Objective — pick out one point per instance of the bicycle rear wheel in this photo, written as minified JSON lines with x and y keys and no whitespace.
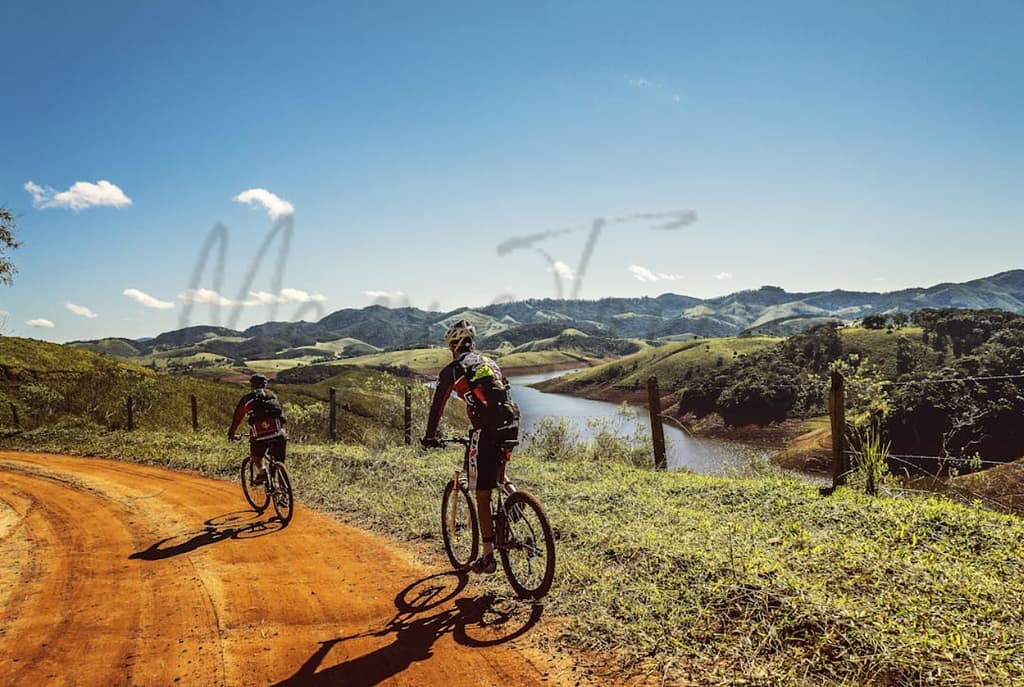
{"x":255,"y":494}
{"x":459,"y":526}
{"x":284,"y":503}
{"x":528,"y":550}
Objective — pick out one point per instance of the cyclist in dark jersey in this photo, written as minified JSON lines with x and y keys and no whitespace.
{"x":266,"y":424}
{"x":478,"y":381}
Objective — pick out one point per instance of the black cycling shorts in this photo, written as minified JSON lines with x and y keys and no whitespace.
{"x":483,"y":458}
{"x":275,"y":446}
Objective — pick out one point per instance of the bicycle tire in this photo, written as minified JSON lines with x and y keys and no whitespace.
{"x":282,"y":497}
{"x":461,"y":542}
{"x":255,"y":494}
{"x":528,"y":550}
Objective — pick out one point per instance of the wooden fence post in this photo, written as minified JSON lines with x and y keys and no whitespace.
{"x":837,"y":413}
{"x":657,"y":430}
{"x":195,"y":413}
{"x":131,"y":415}
{"x":408,"y":415}
{"x":14,"y":417}
{"x":332,"y":415}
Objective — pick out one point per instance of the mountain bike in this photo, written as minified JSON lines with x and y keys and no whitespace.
{"x":522,"y":534}
{"x":277,"y":488}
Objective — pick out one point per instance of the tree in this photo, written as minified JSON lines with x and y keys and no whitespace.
{"x":876,"y":321}
{"x":7,"y":226}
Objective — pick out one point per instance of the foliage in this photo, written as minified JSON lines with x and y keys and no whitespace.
{"x":8,"y":225}
{"x":552,"y":439}
{"x":872,"y":454}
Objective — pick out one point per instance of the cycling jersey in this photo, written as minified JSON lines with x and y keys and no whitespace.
{"x":478,"y":381}
{"x":261,"y":426}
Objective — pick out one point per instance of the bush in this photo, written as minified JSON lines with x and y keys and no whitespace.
{"x":552,"y":439}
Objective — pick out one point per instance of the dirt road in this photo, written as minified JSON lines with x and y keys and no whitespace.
{"x":113,"y":573}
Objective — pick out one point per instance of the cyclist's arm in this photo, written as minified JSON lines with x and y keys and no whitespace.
{"x":241,"y":410}
{"x":445,"y":384}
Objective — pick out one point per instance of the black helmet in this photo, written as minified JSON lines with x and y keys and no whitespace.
{"x":257,"y":381}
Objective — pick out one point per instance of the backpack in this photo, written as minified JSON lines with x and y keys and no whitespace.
{"x":266,"y":406}
{"x":486,"y":382}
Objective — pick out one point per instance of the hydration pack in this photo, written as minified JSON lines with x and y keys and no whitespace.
{"x":488,"y":396}
{"x":265,"y":406}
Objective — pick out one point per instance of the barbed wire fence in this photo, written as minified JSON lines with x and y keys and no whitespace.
{"x":914,"y":472}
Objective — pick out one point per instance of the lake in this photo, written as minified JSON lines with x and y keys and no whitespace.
{"x":708,"y":456}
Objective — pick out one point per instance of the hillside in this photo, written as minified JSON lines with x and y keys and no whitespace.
{"x":66,"y":385}
{"x":769,"y":310}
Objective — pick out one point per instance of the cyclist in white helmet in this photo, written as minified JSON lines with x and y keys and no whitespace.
{"x":478,"y":381}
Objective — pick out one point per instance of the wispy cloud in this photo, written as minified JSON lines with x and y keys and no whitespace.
{"x":397,"y":299}
{"x":644,"y":274}
{"x":146,"y":300}
{"x":286,"y":296}
{"x":80,"y":310}
{"x":275,"y":206}
{"x":657,"y":88}
{"x":723,"y":276}
{"x":81,"y":195}
{"x":40,"y":324}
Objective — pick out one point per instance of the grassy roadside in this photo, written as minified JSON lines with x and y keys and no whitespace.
{"x":713,"y":580}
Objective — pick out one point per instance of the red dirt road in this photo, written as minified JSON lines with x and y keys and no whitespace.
{"x":113,"y":573}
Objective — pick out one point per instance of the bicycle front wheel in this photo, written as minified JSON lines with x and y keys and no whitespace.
{"x":528,"y":550}
{"x":255,"y":494}
{"x":284,"y":503}
{"x":459,"y":526}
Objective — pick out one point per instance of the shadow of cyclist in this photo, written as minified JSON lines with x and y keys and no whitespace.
{"x":414,"y":634}
{"x":237,"y":525}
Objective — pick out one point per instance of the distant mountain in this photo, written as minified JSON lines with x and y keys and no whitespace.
{"x":769,"y":309}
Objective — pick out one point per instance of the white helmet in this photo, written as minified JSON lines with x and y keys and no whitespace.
{"x":459,"y":334}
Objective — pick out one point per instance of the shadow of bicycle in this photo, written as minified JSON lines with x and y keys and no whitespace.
{"x":236,"y":525}
{"x":480,"y":621}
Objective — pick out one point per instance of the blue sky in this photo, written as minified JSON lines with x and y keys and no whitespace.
{"x":870,"y":146}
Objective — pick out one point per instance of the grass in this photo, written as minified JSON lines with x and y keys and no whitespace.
{"x":707,"y":580}
{"x":670,"y":363}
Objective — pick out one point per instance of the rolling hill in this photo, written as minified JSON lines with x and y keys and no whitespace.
{"x":613,"y":322}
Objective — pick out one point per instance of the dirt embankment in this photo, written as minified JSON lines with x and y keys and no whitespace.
{"x":113,"y":573}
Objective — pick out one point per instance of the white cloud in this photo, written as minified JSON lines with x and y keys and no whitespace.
{"x":80,"y":310}
{"x":275,"y":207}
{"x":40,"y":323}
{"x":286,"y":296}
{"x":722,"y":276}
{"x":390,"y":299}
{"x":644,"y":274}
{"x":81,"y":195}
{"x":147,"y":300}
{"x":206,"y":296}
{"x":384,"y":294}
{"x":562,"y":270}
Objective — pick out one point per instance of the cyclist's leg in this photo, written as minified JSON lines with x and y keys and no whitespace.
{"x":277,"y":448}
{"x":257,"y":449}
{"x":485,"y":449}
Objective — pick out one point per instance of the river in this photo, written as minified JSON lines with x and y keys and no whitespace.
{"x":707,"y":456}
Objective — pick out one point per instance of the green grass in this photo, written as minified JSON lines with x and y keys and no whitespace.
{"x":670,"y":363}
{"x":51,"y":384}
{"x":708,"y":580}
{"x":878,"y":345}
